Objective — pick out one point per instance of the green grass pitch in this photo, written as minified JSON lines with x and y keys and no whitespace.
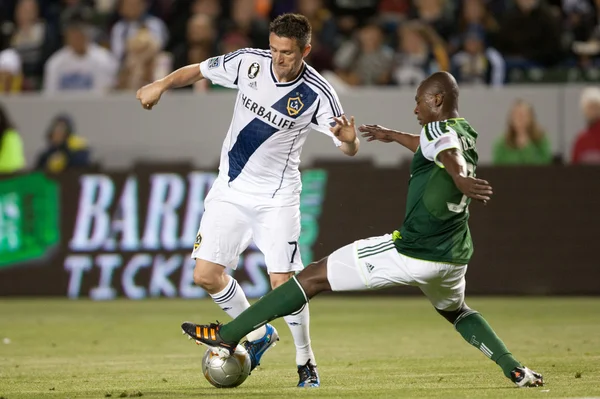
{"x":365,"y":348}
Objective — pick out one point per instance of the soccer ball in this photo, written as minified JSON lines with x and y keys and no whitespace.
{"x":226,"y":372}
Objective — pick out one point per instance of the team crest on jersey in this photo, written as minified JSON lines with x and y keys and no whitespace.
{"x":294,"y":105}
{"x":253,"y":70}
{"x":213,"y":63}
{"x":197,"y":242}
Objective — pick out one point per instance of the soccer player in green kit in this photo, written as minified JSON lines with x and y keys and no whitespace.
{"x":431,"y":250}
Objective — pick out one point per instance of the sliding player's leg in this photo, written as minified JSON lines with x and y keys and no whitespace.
{"x":448,"y":297}
{"x":285,"y":299}
{"x":364,"y":264}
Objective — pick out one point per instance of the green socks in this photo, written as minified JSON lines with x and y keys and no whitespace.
{"x":285,"y":299}
{"x":290,"y":297}
{"x":476,"y":331}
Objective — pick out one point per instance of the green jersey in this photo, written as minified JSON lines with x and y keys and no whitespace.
{"x":435,"y":225}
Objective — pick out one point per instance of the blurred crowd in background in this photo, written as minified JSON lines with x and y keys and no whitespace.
{"x":97,"y":46}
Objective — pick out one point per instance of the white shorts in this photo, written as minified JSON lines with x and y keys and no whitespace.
{"x":232,"y":219}
{"x":374,"y":263}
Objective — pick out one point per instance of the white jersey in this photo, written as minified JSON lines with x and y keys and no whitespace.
{"x":93,"y":72}
{"x":271,"y":120}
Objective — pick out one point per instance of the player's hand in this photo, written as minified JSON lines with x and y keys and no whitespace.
{"x":150,"y":94}
{"x":376,"y":132}
{"x":344,"y":130}
{"x":476,"y":189}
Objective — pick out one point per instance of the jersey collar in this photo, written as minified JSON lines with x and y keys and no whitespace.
{"x":284,"y":84}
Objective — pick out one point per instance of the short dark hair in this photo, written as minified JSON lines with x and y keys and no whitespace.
{"x":75,"y":21}
{"x":292,"y":26}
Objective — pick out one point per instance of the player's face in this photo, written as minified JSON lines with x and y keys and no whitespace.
{"x":426,"y":109}
{"x":287,"y":56}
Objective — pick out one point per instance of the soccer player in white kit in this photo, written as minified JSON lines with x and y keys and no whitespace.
{"x":257,"y":193}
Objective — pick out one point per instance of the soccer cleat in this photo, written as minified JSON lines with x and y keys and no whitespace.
{"x":309,"y":377}
{"x":256,"y":349}
{"x":524,"y":377}
{"x":209,"y":336}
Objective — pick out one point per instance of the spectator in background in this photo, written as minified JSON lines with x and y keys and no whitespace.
{"x":579,"y":18}
{"x":529,"y":35}
{"x":200,"y":45}
{"x":231,"y":42}
{"x":245,"y":21}
{"x":394,"y":10}
{"x":134,"y":16}
{"x":201,"y":33}
{"x":587,"y":145}
{"x":62,"y":11}
{"x":583,"y":20}
{"x":144,"y":61}
{"x":421,"y":52}
{"x":182,"y":11}
{"x":34,"y":40}
{"x":11,"y":72}
{"x":64,"y":150}
{"x":70,"y":9}
{"x":524,"y":141}
{"x":324,"y":30}
{"x":349,"y":17}
{"x":435,"y":14}
{"x":361,"y":11}
{"x":321,"y":58}
{"x":325,"y":37}
{"x":367,"y":60}
{"x":11,"y":76}
{"x":212,"y":8}
{"x":105,"y":15}
{"x":12,"y":157}
{"x":473,"y":14}
{"x":596,"y":32}
{"x":80,"y":65}
{"x":476,"y":63}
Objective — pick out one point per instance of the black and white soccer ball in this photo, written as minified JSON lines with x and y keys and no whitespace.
{"x":226,"y":371}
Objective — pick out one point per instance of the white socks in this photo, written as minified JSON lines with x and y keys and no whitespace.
{"x":233,"y":301}
{"x":299,"y":323}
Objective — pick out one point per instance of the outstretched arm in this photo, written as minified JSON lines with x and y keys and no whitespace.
{"x":150,"y":94}
{"x":184,"y":76}
{"x":385,"y":135}
{"x":456,"y":166}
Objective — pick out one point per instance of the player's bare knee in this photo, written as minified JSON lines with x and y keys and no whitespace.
{"x":210,"y":276}
{"x":278,"y":279}
{"x":313,"y":278}
{"x":453,"y":315}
